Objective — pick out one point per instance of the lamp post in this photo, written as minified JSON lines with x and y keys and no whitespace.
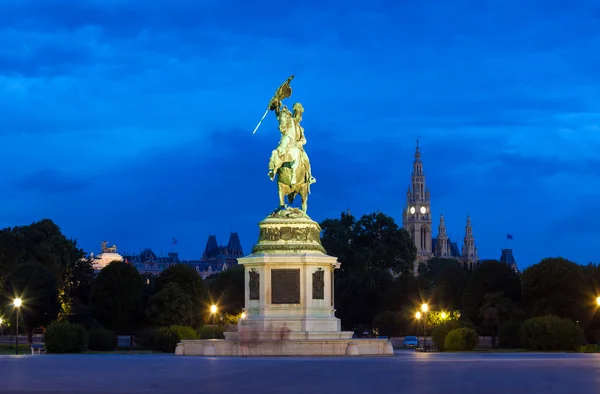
{"x":213,"y":310}
{"x":17,"y":303}
{"x":418,"y":317}
{"x":424,"y":309}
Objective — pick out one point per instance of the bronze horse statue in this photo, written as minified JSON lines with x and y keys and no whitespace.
{"x":292,"y":187}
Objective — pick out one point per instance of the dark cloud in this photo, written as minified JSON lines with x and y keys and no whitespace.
{"x":156,"y":100}
{"x":49,"y":182}
{"x":48,"y":60}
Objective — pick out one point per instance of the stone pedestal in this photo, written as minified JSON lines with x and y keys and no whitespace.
{"x":289,"y":297}
{"x":290,"y":280}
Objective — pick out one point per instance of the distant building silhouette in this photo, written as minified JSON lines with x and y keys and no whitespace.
{"x":508,"y":258}
{"x":417,"y":220}
{"x":215,"y":258}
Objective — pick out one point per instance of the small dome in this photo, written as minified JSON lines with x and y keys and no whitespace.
{"x":147,"y":255}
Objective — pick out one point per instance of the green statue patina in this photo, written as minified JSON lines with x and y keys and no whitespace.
{"x":289,"y":162}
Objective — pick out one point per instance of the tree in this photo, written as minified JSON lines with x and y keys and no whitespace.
{"x":554,"y":286}
{"x":79,"y":283}
{"x":495,"y":310}
{"x":227,"y":289}
{"x":373,"y":242}
{"x":116,"y":297}
{"x":490,"y":276}
{"x":41,"y":242}
{"x":373,"y":251}
{"x":36,"y":286}
{"x":170,"y":306}
{"x":448,"y":279}
{"x":190,"y":282}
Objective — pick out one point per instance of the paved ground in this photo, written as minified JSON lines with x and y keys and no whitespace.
{"x":407,"y":372}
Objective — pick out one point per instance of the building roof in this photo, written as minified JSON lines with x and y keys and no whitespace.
{"x":507,"y":257}
{"x":454,"y":251}
{"x":212,"y":247}
{"x":234,"y":244}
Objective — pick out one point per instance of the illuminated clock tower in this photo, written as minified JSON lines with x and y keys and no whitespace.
{"x":416,"y":217}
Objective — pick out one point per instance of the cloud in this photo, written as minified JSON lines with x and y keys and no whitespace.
{"x":139,"y":114}
{"x":49,"y":181}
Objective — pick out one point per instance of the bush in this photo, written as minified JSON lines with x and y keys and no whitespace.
{"x":438,"y":335}
{"x":589,"y":348}
{"x":145,"y":338}
{"x":164,"y":339}
{"x":65,"y":337}
{"x":461,"y":339}
{"x":101,"y":339}
{"x":206,"y":332}
{"x":388,"y":323}
{"x":508,"y":335}
{"x":550,"y":333}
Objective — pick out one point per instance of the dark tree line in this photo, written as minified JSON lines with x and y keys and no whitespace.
{"x":376,"y":283}
{"x":57,"y":283}
{"x":375,"y":287}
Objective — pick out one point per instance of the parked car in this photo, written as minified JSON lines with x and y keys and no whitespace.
{"x":410,"y":342}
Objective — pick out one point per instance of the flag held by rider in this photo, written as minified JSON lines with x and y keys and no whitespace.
{"x":284,"y":91}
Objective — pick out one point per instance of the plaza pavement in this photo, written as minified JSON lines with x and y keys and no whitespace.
{"x":407,"y":372}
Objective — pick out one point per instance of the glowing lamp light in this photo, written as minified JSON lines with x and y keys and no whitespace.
{"x":17,"y":302}
{"x":213,"y":309}
{"x":418,"y":315}
{"x":424,"y":307}
{"x":443,"y":315}
{"x":243,"y":315}
{"x":598,"y":301}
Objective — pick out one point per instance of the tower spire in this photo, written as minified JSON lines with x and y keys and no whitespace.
{"x":416,"y":218}
{"x":469,"y":251}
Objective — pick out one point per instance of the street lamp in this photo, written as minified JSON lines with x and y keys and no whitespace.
{"x":424,"y":308}
{"x":418,"y":317}
{"x":17,"y":302}
{"x":1,"y":329}
{"x":243,"y":315}
{"x":598,"y":301}
{"x":213,"y":310}
{"x":443,"y":315}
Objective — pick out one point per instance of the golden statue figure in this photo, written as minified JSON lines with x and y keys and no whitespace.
{"x":289,"y":161}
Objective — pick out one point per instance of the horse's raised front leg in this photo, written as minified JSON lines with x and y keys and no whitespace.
{"x":304,"y":197}
{"x":281,"y":195}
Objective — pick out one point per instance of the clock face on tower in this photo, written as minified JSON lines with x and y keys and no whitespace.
{"x":412,"y":210}
{"x":423,"y":210}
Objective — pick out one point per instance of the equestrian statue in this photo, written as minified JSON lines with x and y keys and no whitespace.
{"x":289,"y":162}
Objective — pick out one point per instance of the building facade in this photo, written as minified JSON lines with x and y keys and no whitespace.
{"x":215,"y":258}
{"x":417,"y":220}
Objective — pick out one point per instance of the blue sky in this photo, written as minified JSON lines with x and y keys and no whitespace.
{"x":131,"y":121}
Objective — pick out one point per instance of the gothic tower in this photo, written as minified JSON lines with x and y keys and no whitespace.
{"x":442,"y":247}
{"x":469,"y":251}
{"x":416,"y":217}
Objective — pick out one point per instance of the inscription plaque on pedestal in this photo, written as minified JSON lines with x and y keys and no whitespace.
{"x":318,"y":285}
{"x":285,"y":286}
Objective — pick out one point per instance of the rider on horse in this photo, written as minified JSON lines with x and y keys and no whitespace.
{"x":291,"y":145}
